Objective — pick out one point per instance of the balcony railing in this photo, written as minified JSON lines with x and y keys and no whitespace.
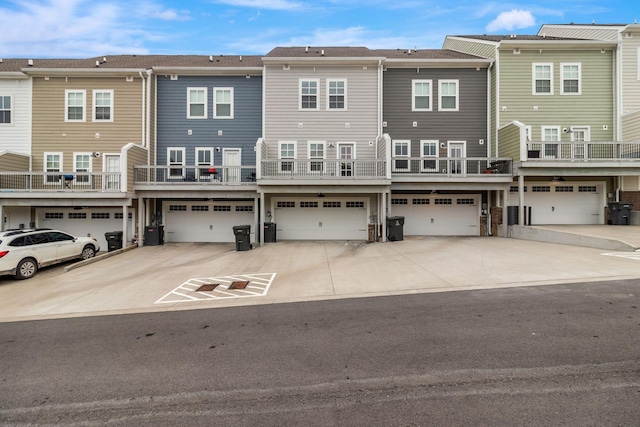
{"x":199,"y":175}
{"x":447,"y":166}
{"x":57,"y":181}
{"x":583,"y":151}
{"x":311,"y":169}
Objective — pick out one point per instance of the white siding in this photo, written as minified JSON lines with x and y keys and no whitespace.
{"x":16,"y":137}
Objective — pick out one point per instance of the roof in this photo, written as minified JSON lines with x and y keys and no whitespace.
{"x":424,"y":54}
{"x":513,"y":37}
{"x":319,"y":52}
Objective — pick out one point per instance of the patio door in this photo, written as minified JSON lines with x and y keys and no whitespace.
{"x":346,"y":153}
{"x":112,"y":168}
{"x":232,"y":162}
{"x":457,"y":152}
{"x":579,"y":135}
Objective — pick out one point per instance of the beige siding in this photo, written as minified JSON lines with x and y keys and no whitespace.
{"x":580,"y":32}
{"x":133,"y":155}
{"x":285,"y":122}
{"x":593,"y":108}
{"x":630,"y":73}
{"x":17,"y":135}
{"x":13,"y":162}
{"x":470,"y":46}
{"x":52,"y":134}
{"x":509,"y":138}
{"x":631,"y":127}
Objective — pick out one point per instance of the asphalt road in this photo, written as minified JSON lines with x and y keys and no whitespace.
{"x":551,"y":355}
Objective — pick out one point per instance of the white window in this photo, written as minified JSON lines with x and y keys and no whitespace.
{"x":223,"y":103}
{"x":336,"y":94}
{"x":571,"y":79}
{"x":287,"y":150}
{"x":448,"y":95}
{"x":5,"y":110}
{"x":543,"y":79}
{"x":316,"y":152}
{"x":421,"y":95}
{"x":204,"y":161}
{"x":175,"y":157}
{"x":309,"y":94}
{"x":82,"y":163}
{"x":103,"y":105}
{"x":429,"y":154}
{"x":74,"y":105}
{"x":550,"y":134}
{"x":197,"y":103}
{"x":401,"y":154}
{"x":52,"y":164}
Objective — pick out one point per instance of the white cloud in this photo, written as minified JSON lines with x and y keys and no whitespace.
{"x":512,"y":20}
{"x":264,"y":4}
{"x":156,"y":11}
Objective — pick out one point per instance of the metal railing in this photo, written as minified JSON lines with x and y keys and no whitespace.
{"x":56,"y":181}
{"x":583,"y":151}
{"x":205,"y":175}
{"x":310,"y":169}
{"x":462,"y":166}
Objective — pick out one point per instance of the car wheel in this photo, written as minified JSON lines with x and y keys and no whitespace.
{"x":26,"y":269}
{"x":88,"y":252}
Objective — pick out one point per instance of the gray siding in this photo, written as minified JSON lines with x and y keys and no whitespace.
{"x":468,"y":124}
{"x":240,"y":132}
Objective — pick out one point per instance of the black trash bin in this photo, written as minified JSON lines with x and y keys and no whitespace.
{"x":620,"y":213}
{"x":114,"y":240}
{"x":395,"y":230}
{"x":243,"y":237}
{"x":269,"y":232}
{"x":154,"y":235}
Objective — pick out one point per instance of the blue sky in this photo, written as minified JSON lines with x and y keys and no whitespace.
{"x":86,"y":28}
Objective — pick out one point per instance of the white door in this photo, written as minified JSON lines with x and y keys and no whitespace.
{"x":457,"y":151}
{"x":346,"y":153}
{"x":438,"y":215}
{"x":232,"y":161}
{"x":112,"y":168}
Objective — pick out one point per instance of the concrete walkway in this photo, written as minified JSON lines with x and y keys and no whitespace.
{"x":607,"y":237}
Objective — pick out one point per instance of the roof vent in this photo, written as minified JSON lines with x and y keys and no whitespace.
{"x":104,"y":59}
{"x":97,"y":63}
{"x":210,"y":58}
{"x":409,"y":52}
{"x":0,"y":60}
{"x":322,"y":52}
{"x":240,"y":57}
{"x":30,"y":62}
{"x":513,"y":36}
{"x":306,"y":49}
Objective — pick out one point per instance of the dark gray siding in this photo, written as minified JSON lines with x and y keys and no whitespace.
{"x":468,"y":124}
{"x":240,"y":132}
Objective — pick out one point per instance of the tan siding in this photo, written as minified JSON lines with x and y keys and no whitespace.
{"x":478,"y":48}
{"x":52,"y":134}
{"x":13,"y":162}
{"x":135,"y":155}
{"x":577,"y":32}
{"x":630,"y":73}
{"x":16,"y":136}
{"x":631,"y":127}
{"x":509,"y":138}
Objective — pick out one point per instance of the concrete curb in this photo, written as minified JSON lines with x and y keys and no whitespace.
{"x":98,"y":258}
{"x":564,"y":238}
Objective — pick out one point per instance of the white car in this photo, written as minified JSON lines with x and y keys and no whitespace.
{"x":23,"y":252}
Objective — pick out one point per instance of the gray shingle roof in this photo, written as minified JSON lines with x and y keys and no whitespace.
{"x":319,"y":52}
{"x":499,"y":38}
{"x":422,"y":54}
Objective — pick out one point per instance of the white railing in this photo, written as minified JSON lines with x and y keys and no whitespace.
{"x":450,"y":166}
{"x":56,"y":181}
{"x":323,"y":169}
{"x":180,"y":175}
{"x":583,"y":151}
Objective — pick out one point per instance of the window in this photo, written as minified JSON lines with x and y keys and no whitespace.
{"x":550,"y":134}
{"x":52,"y":164}
{"x":398,"y":201}
{"x":74,"y":105}
{"x":287,"y":150}
{"x":175,"y":157}
{"x":336,"y":94}
{"x":401,"y":149}
{"x":429,"y":153}
{"x":102,"y":105}
{"x":5,"y":110}
{"x":309,"y":94}
{"x":280,"y":204}
{"x":421,"y":94}
{"x":308,"y":204}
{"x":316,"y":151}
{"x":448,"y":95}
{"x":82,"y":163}
{"x":204,"y":156}
{"x":197,"y":103}
{"x":100,"y":215}
{"x":571,"y":74}
{"x":223,"y":103}
{"x":199,"y":208}
{"x":542,"y":79}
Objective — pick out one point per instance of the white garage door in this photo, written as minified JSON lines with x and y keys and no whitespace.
{"x":205,"y":221}
{"x":438,"y":215}
{"x":321,"y":219}
{"x":90,"y":222}
{"x":563,"y":203}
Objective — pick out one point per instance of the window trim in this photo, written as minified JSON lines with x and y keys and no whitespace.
{"x":67,"y":92}
{"x":215,"y":103}
{"x":562,"y":78}
{"x":111,"y":105}
{"x":534,"y":79}
{"x":413,"y":94}
{"x":396,"y":157}
{"x":176,"y":166}
{"x":424,"y":157}
{"x":547,"y":152}
{"x":10,"y":110}
{"x":48,"y":179}
{"x":344,"y":94}
{"x":457,"y":95}
{"x":300,"y":94}
{"x":205,"y":114}
{"x":311,"y":162}
{"x":84,"y":179}
{"x":295,"y":156}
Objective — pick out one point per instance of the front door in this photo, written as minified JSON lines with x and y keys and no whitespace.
{"x":346,"y":155}
{"x":456,"y":156}
{"x":112,"y":169}
{"x":232,"y":162}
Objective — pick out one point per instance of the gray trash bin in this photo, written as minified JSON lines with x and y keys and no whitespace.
{"x":269,"y":232}
{"x":620,"y":213}
{"x":395,"y":228}
{"x":243,"y":237}
{"x":114,"y":240}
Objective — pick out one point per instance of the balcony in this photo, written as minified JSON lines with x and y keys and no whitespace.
{"x":194,"y":175}
{"x":323,"y":170}
{"x":451,"y":167}
{"x":60,"y":181}
{"x":583,"y":151}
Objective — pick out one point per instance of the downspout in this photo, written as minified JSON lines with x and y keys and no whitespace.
{"x":489,"y":139}
{"x":618,"y":118}
{"x":148,"y":138}
{"x":142,"y":137}
{"x":497,"y":99}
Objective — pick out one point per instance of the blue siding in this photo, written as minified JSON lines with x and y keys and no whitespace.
{"x":240,"y":132}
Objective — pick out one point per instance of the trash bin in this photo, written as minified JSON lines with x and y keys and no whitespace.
{"x":154,"y":235}
{"x":395,"y":226}
{"x":620,"y":213}
{"x":114,"y":240}
{"x":243,"y":237}
{"x":269,"y":232}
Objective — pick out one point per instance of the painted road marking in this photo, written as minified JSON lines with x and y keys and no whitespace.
{"x":258,"y":286}
{"x":628,"y":255}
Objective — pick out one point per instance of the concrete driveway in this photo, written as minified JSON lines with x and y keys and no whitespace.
{"x":160,"y":278}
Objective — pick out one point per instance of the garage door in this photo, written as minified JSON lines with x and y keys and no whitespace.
{"x":90,"y":222}
{"x":321,"y":219}
{"x":205,"y":221}
{"x":564,"y":203}
{"x":438,"y":215}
